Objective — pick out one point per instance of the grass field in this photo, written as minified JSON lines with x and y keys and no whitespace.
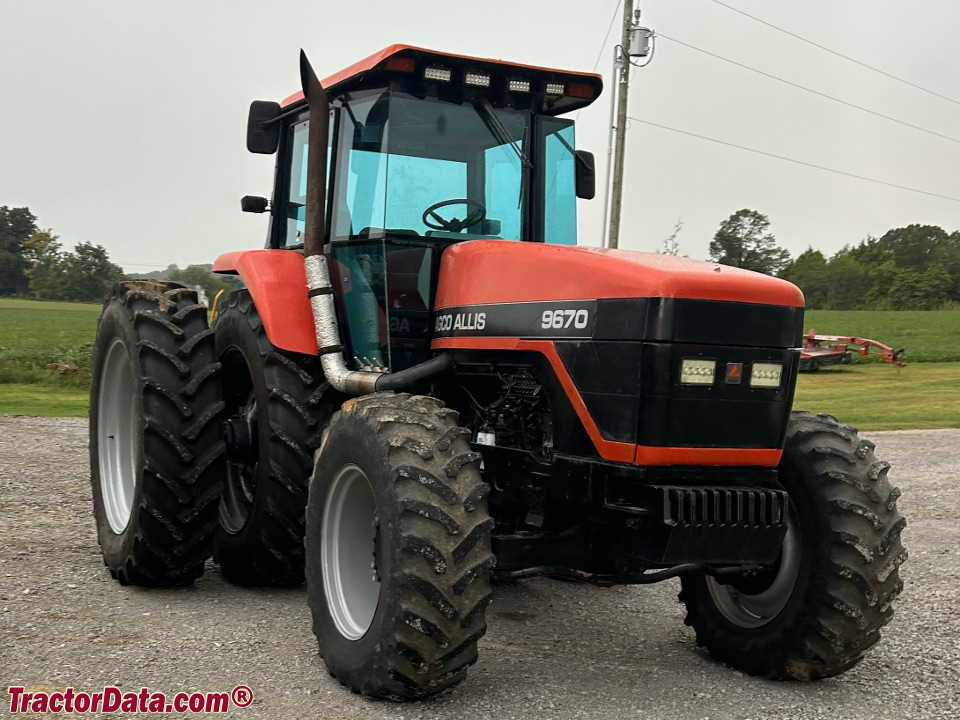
{"x":33,"y":334}
{"x":927,"y":336}
{"x":883,"y":397}
{"x":925,"y":394}
{"x":43,"y":400}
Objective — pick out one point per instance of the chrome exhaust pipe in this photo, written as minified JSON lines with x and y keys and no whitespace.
{"x":319,"y":288}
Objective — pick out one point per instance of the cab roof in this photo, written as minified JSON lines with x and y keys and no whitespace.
{"x":579,"y":89}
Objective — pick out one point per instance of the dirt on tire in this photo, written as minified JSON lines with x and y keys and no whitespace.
{"x":850,"y":553}
{"x":293,"y":404}
{"x":432,"y":547}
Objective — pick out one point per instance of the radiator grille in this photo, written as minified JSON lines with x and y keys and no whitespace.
{"x":719,"y":507}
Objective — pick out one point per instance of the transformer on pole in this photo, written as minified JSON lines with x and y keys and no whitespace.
{"x":636,"y":42}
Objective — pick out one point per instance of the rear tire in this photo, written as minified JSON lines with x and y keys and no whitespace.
{"x":817,"y":613}
{"x":156,"y":443}
{"x":398,"y":608}
{"x":282,"y":402}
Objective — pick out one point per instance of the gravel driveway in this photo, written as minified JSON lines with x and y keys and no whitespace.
{"x":554,"y":650}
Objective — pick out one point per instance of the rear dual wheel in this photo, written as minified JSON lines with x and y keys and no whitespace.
{"x":156,"y":443}
{"x":398,"y":548}
{"x":277,"y":405}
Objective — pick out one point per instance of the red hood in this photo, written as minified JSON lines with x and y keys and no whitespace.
{"x":495,"y":271}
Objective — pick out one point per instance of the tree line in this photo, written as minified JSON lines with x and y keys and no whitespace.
{"x":909,"y":268}
{"x":34,"y":263}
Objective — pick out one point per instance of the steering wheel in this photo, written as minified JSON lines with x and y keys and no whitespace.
{"x":455,"y":225}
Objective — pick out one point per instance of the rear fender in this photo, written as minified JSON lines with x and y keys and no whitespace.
{"x":277,"y":283}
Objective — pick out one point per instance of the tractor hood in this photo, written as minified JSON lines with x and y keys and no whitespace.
{"x":501,"y":271}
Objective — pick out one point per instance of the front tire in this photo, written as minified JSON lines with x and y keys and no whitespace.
{"x":821,"y":608}
{"x":156,"y":444}
{"x":398,"y":548}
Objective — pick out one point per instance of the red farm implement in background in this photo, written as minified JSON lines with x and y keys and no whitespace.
{"x":823,"y":350}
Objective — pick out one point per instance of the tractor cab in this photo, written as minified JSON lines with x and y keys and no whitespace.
{"x":425,"y":150}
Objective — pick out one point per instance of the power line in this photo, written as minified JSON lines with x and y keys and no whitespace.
{"x":811,"y":90}
{"x":795,"y":161}
{"x":838,"y":54}
{"x":603,"y":45}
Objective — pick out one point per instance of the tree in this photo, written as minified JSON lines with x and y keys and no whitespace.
{"x":16,"y":226}
{"x":809,"y":273}
{"x":847,"y":283}
{"x":744,"y":241}
{"x":44,"y":257}
{"x":671,"y":245}
{"x":88,"y":273}
{"x":919,"y":290}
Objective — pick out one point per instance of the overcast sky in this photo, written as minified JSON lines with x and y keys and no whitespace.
{"x":122,"y":123}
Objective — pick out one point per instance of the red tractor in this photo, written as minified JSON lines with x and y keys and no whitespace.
{"x":427,"y":385}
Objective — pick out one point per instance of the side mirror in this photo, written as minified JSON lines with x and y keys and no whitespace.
{"x":253,"y":204}
{"x":263,"y":130}
{"x":586,"y":175}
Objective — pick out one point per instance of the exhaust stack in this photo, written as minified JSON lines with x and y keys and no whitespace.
{"x":320,"y":289}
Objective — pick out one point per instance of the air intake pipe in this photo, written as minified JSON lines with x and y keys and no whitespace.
{"x":320,"y":289}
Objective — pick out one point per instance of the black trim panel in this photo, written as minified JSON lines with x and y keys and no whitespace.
{"x":623,"y":382}
{"x":708,"y":322}
{"x":673,"y":320}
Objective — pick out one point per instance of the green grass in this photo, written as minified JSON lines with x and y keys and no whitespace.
{"x":34,"y":334}
{"x":927,"y":336}
{"x":883,"y":397}
{"x":43,"y":400}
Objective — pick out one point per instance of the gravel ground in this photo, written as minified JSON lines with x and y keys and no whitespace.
{"x":554,"y":650}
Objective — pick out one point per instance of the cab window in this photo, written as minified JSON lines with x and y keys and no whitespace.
{"x":559,"y":186}
{"x":295,"y":183}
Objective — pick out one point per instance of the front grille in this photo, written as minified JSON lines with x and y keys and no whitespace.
{"x":719,"y":507}
{"x":726,"y":525}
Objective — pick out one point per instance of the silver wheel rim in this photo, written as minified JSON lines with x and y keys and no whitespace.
{"x":347,"y":547}
{"x":756,"y":610}
{"x":117,"y":418}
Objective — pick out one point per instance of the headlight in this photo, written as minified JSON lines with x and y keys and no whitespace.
{"x":694,"y":371}
{"x":766,"y":375}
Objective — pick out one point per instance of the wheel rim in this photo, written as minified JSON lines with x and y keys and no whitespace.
{"x":240,"y":487}
{"x":347,"y":550}
{"x":754,"y":610}
{"x":117,"y":425}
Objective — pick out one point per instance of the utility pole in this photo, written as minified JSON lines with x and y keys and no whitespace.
{"x":634,"y":42}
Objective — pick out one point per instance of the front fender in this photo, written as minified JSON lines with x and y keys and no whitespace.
{"x":277,"y":283}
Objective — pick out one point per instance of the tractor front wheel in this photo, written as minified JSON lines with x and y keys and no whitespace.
{"x":817,"y":612}
{"x":398,"y":548}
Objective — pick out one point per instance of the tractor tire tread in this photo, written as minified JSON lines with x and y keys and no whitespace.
{"x":173,"y":527}
{"x":854,"y":577}
{"x":268,"y":550}
{"x":445,"y":549}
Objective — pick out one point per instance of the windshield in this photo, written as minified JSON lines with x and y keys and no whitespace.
{"x":402,"y":160}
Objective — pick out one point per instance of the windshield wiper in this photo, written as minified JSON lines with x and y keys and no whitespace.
{"x":499,"y":130}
